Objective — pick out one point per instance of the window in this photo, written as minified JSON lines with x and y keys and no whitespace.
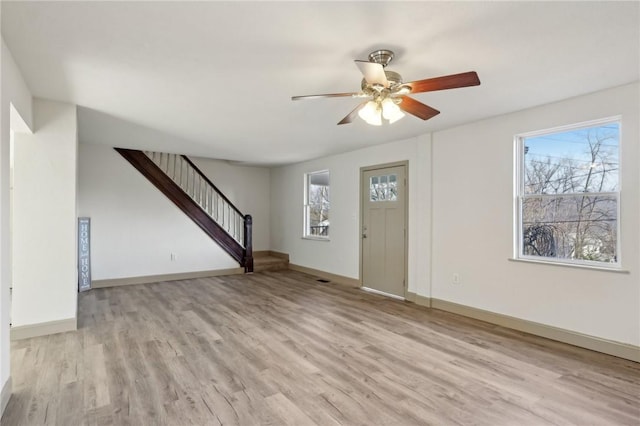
{"x":568,"y":194}
{"x":316,"y":211}
{"x":383,"y":188}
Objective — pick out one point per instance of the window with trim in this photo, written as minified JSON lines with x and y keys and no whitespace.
{"x":317,"y":204}
{"x":568,"y":194}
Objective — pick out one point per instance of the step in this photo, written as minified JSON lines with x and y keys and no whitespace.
{"x":269,"y":263}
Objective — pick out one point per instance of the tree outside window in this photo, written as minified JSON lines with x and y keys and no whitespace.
{"x":317,"y":205}
{"x":568,"y":194}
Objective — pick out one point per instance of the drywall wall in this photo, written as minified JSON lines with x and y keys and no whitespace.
{"x":340,"y":254}
{"x":15,"y":106}
{"x":473,"y":225}
{"x":15,"y":91}
{"x":99,"y":128}
{"x":135,"y":228}
{"x":248,"y":189}
{"x":44,"y":217}
{"x":461,"y":221}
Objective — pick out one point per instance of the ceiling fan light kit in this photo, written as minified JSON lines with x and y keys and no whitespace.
{"x":391,"y":111}
{"x":370,"y":113}
{"x":374,"y":111}
{"x":387,"y":93}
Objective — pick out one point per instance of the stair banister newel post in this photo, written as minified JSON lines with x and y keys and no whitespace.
{"x":248,"y":243}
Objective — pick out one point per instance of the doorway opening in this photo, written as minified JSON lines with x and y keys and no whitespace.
{"x":383,"y":236}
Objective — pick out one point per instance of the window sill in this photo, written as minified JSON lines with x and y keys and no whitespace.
{"x":572,"y":265}
{"x":317,"y":238}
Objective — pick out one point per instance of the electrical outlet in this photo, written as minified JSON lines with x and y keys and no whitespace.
{"x":174,"y":257}
{"x":455,"y":278}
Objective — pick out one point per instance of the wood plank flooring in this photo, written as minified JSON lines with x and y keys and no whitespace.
{"x":280,"y":348}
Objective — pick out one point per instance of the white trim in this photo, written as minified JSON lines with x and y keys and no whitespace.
{"x":382,"y":293}
{"x":599,"y":266}
{"x":520,"y":196}
{"x":570,"y":194}
{"x":305,"y":208}
{"x":580,"y":125}
{"x":316,"y":238}
{"x":5,"y":395}
{"x":518,"y":158}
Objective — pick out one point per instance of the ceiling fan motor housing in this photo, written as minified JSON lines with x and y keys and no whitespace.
{"x":382,"y":57}
{"x":393,"y":78}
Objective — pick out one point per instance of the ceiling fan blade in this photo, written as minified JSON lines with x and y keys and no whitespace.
{"x":349,"y":118}
{"x":452,"y":81}
{"x":373,"y":73}
{"x":418,"y":109}
{"x":328,"y":95}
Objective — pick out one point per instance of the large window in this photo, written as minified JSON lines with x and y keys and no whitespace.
{"x":568,"y":194}
{"x":316,"y":209}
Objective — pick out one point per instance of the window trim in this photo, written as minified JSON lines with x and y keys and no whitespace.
{"x":305,"y":208}
{"x":519,"y":196}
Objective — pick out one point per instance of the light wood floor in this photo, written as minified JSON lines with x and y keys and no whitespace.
{"x":280,"y":348}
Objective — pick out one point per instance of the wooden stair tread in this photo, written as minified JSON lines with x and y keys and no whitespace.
{"x":269,"y":263}
{"x":269,"y":259}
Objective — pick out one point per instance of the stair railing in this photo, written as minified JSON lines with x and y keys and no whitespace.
{"x":205,"y":194}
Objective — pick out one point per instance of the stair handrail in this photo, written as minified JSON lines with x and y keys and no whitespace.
{"x":247,"y":219}
{"x":215,"y":188}
{"x":237,"y":245}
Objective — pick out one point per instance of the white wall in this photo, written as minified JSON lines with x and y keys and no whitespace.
{"x":248,"y":189}
{"x":464,"y":224}
{"x":44,"y":217}
{"x":473,"y":225}
{"x":14,"y":94}
{"x":135,"y":228}
{"x":340,"y":255}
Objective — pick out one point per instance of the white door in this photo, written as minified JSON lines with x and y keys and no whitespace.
{"x":384,"y":200}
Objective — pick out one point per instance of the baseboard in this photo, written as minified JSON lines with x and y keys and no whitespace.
{"x":610,"y":347}
{"x":43,"y":329}
{"x":115,"y":282}
{"x":418,"y":300}
{"x":5,"y":395}
{"x":338,"y":279}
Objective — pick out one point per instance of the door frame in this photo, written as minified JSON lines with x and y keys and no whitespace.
{"x":361,"y":188}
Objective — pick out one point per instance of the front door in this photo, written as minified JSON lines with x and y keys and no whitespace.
{"x":383,"y":192}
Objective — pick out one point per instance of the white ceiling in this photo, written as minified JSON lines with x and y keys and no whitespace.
{"x":218,"y":76}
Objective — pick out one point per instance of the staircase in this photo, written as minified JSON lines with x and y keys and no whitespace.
{"x":270,"y":261}
{"x":191,"y":191}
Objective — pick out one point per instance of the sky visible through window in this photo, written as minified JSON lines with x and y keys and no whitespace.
{"x":575,"y":147}
{"x":569,"y":204}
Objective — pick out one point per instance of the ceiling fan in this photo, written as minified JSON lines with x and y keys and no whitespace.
{"x":387,"y":93}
